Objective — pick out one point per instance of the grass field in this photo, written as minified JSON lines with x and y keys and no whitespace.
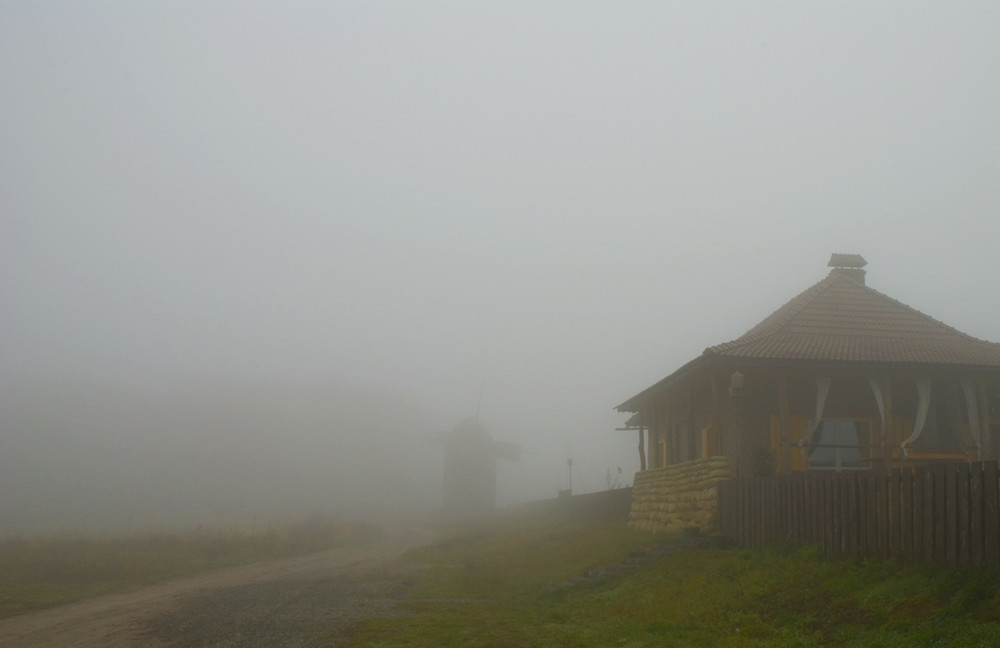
{"x":42,"y":572}
{"x":494,"y":587}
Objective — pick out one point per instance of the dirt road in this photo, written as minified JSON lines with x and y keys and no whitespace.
{"x":311,"y":600}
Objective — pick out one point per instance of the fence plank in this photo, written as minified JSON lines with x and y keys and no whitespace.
{"x":918,"y":514}
{"x":779,"y":514}
{"x":927,"y":513}
{"x":895,"y":514}
{"x":906,"y":512}
{"x":795,"y":510}
{"x":744,"y":503}
{"x":991,"y":515}
{"x":964,"y":550}
{"x":869,"y":545}
{"x":836,"y":525}
{"x":852,"y":527}
{"x":812,"y":487}
{"x":976,"y":539}
{"x":882,"y":513}
{"x":951,"y":515}
{"x":829,"y":515}
{"x":940,"y":479}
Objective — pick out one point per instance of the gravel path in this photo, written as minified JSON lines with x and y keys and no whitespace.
{"x":313,"y":600}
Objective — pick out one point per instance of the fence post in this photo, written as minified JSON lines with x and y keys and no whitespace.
{"x":926,"y":513}
{"x":940,"y":479}
{"x":964,"y":521}
{"x":991,"y":516}
{"x":850,"y":514}
{"x":871,"y":512}
{"x":906,"y":512}
{"x":977,"y":540}
{"x":882,"y":512}
{"x":895,"y":514}
{"x":951,"y":515}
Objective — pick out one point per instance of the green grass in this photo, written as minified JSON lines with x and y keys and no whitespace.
{"x":42,"y":572}
{"x":491,"y":588}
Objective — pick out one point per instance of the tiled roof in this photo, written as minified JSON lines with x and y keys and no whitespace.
{"x":842,"y":319}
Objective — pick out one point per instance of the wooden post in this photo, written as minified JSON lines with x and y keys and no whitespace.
{"x":692,"y":433}
{"x":785,"y":425}
{"x":888,"y":438}
{"x":642,"y":450}
{"x":715,"y":427}
{"x":986,"y":442}
{"x":991,"y":514}
{"x":655,"y":435}
{"x":667,"y":436}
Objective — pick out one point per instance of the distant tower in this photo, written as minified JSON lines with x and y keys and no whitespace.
{"x":470,"y":468}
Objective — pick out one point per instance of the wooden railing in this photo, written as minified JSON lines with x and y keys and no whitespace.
{"x":943,"y":513}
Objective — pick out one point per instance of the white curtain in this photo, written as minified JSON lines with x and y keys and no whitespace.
{"x":923,"y":404}
{"x":880,"y":401}
{"x":822,"y":389}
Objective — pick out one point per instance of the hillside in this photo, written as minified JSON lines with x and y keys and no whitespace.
{"x":519,"y":584}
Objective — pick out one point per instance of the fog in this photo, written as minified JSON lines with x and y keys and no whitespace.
{"x":253,"y":255}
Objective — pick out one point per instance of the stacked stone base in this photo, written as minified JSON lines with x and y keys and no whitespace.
{"x":678,"y":498}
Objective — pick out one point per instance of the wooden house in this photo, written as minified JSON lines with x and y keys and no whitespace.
{"x":842,"y":377}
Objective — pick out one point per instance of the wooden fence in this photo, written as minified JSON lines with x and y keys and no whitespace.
{"x":946,"y":514}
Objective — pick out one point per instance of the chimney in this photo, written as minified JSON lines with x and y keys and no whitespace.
{"x":848,"y":265}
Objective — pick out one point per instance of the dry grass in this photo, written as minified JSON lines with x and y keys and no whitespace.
{"x":42,"y":572}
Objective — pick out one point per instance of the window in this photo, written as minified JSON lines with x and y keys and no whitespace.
{"x":838,"y":444}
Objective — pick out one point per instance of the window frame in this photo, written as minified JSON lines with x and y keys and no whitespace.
{"x":862,"y":448}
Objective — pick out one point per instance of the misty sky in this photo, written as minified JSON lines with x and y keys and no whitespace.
{"x":551,"y":203}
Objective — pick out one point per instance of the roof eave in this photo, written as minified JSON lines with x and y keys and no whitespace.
{"x":708,"y":358}
{"x":633,"y":404}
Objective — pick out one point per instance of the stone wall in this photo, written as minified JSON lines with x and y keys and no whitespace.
{"x":678,"y":497}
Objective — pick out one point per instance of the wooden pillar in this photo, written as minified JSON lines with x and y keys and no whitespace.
{"x":674,"y":441}
{"x":655,"y":435}
{"x":692,"y":433}
{"x":715,"y":427}
{"x":985,"y":438}
{"x":642,"y":449}
{"x":669,"y":454}
{"x":785,"y":425}
{"x":889,"y":440}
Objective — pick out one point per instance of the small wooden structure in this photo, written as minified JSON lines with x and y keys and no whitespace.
{"x":470,"y":468}
{"x":842,"y":377}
